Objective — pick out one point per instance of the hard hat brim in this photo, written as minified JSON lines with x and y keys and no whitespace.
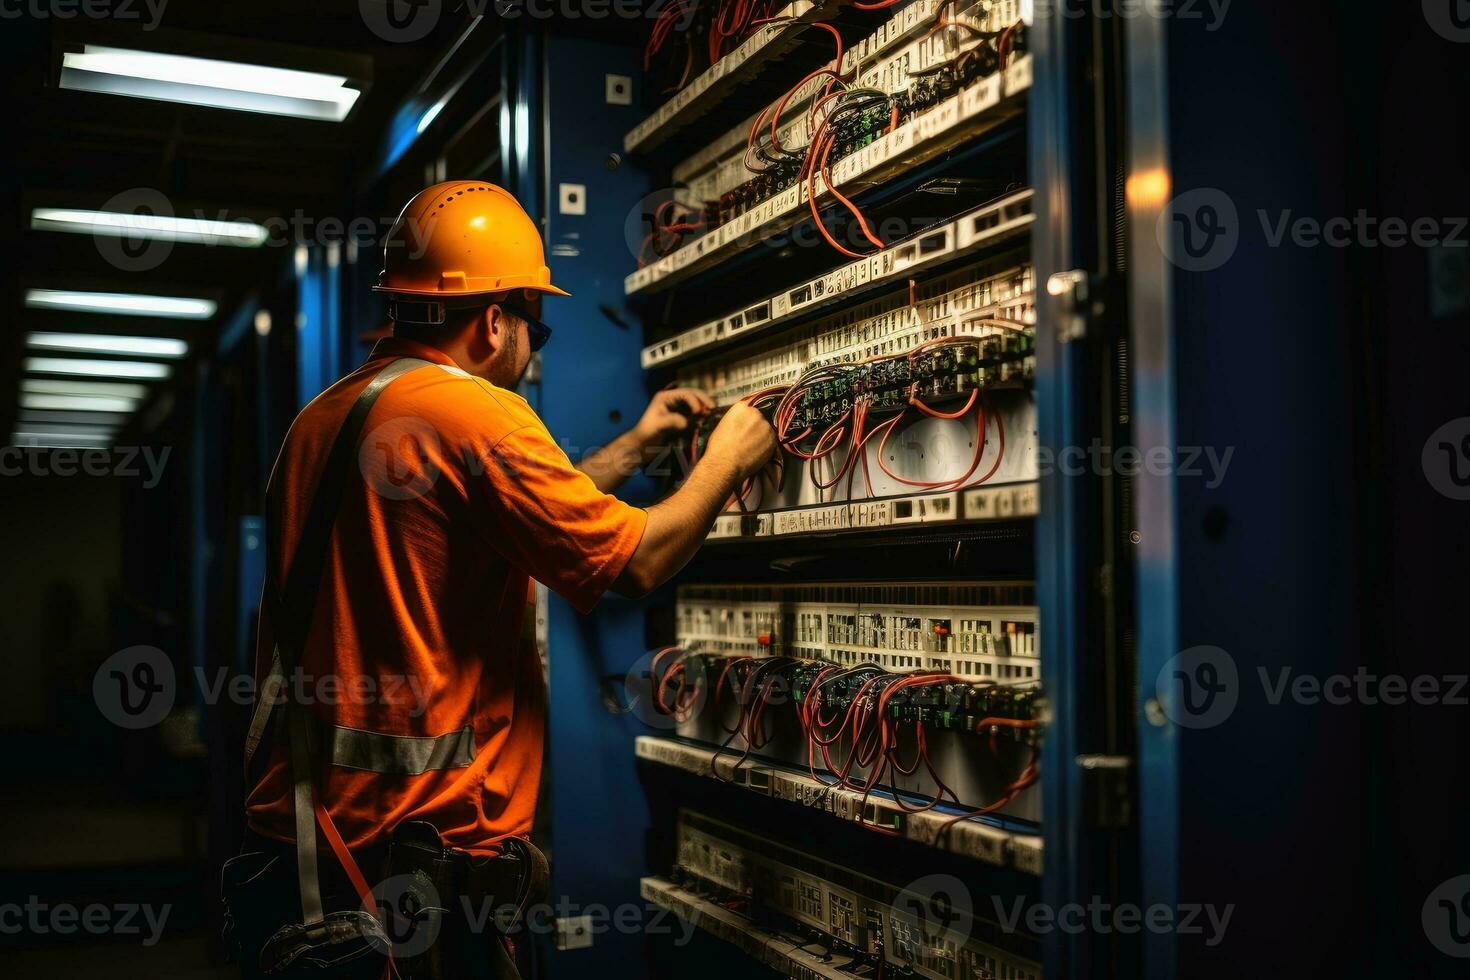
{"x":446,"y":294}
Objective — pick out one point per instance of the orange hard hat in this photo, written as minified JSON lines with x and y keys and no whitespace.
{"x":464,"y":238}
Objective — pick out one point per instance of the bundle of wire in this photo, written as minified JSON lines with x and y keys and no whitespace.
{"x":838,"y":102}
{"x":851,"y":427}
{"x":725,"y":26}
{"x":671,"y":222}
{"x":851,"y":430}
{"x":857,"y":737}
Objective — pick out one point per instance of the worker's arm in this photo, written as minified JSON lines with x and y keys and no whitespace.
{"x":670,"y":415}
{"x":739,"y":447}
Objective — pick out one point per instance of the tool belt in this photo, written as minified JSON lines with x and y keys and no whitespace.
{"x":437,"y":908}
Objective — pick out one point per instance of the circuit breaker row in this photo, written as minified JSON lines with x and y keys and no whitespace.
{"x":878,"y":64}
{"x":972,"y":630}
{"x":907,"y":927}
{"x":973,"y":302}
{"x":934,"y":127}
{"x":978,"y":228}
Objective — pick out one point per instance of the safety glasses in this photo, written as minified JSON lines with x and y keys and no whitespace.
{"x":539,"y":332}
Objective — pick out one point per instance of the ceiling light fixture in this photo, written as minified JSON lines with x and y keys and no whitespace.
{"x":51,"y":440}
{"x":150,"y":227}
{"x":143,"y":370}
{"x":67,"y":386}
{"x":77,"y":403}
{"x":208,"y":82}
{"x":31,"y":418}
{"x":126,"y":304}
{"x":91,"y":343}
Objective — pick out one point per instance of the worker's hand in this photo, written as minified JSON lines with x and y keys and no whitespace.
{"x":672,"y":413}
{"x":744,"y":438}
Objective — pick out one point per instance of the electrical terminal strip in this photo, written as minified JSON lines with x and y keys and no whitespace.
{"x":721,"y":168}
{"x":766,"y":43}
{"x":930,"y":132}
{"x":970,"y":303}
{"x":978,"y":228}
{"x":966,"y":838}
{"x":895,"y":30}
{"x":782,"y":953}
{"x":984,"y":630}
{"x":1004,"y":502}
{"x":859,"y":914}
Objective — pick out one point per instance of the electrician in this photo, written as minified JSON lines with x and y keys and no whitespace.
{"x":410,"y":574}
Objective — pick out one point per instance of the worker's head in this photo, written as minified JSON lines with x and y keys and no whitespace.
{"x":466,"y":272}
{"x":491,"y":337}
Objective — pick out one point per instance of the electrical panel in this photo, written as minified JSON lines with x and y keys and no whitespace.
{"x":841,"y":240}
{"x":945,"y":672}
{"x":914,"y":931}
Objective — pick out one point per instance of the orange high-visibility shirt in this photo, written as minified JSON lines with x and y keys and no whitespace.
{"x":429,"y":704}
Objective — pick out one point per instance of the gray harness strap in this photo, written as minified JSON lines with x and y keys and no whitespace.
{"x":293,"y":606}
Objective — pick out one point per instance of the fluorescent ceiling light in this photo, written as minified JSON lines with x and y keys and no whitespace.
{"x":127,"y":304}
{"x":66,"y":429}
{"x":78,"y":403}
{"x":154,"y":227}
{"x":147,"y":370}
{"x":208,"y":82}
{"x":103,"y":389}
{"x":31,"y":418}
{"x":92,"y":343}
{"x":51,"y":440}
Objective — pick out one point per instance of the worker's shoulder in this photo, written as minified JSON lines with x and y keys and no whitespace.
{"x":453,"y":400}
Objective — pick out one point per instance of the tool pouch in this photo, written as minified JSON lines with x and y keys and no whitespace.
{"x":259,"y":889}
{"x":421,"y":900}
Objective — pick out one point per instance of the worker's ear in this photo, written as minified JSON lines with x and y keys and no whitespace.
{"x":495,"y":325}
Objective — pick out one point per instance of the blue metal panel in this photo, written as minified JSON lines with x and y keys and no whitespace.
{"x":318,"y":327}
{"x":251,"y":575}
{"x":592,"y":390}
{"x":1151,"y":307}
{"x":1074,"y":854}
